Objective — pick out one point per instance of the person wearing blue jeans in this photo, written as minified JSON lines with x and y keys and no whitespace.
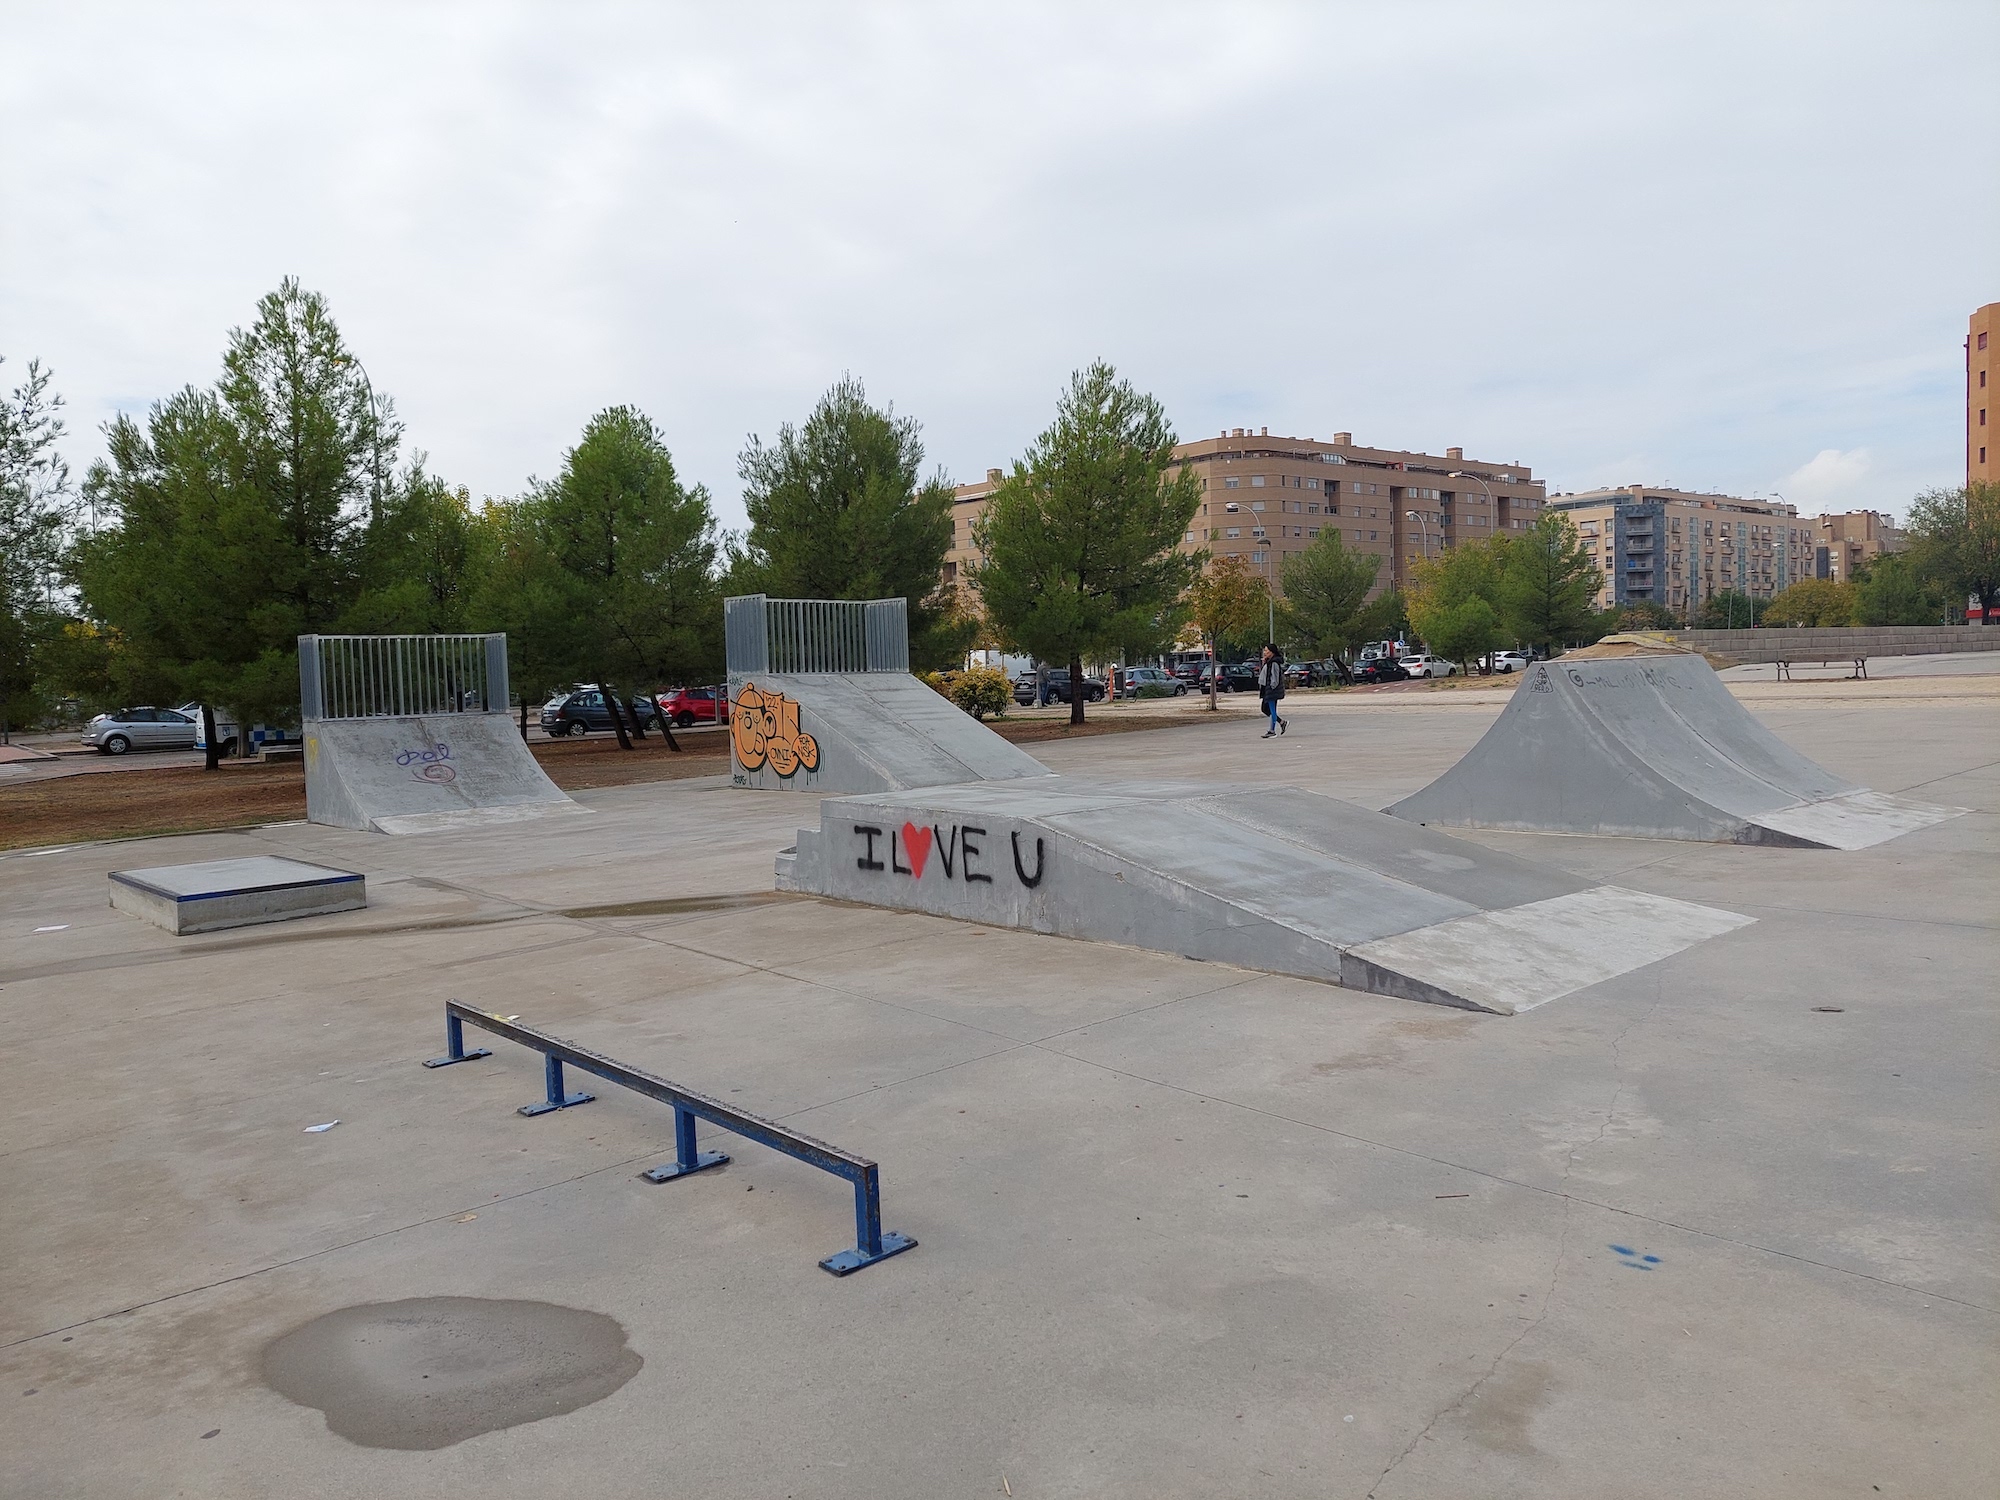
{"x":1271,"y":687}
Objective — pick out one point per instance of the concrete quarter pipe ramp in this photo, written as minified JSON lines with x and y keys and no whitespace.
{"x":822,"y":700}
{"x":400,"y":737}
{"x":1270,"y":878}
{"x":1652,"y":747}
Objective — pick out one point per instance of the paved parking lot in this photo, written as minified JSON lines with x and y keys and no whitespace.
{"x":1723,"y":1226}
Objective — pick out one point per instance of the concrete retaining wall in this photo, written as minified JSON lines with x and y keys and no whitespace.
{"x":1842,"y":643}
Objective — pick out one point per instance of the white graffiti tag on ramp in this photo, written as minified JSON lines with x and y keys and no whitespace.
{"x":1652,"y":747}
{"x":418,"y":773}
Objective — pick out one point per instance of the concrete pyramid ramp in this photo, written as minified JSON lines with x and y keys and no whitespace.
{"x":1270,"y":878}
{"x":420,"y":773}
{"x":1652,"y":747}
{"x":859,"y":732}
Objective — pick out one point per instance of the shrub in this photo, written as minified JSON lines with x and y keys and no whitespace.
{"x":981,"y":691}
{"x":1155,"y":690}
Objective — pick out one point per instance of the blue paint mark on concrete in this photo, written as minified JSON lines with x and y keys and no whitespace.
{"x":1634,"y":1259}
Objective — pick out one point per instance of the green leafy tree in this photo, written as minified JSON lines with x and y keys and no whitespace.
{"x":421,"y":560}
{"x":1454,"y":601}
{"x":36,"y":508}
{"x":1954,"y":542}
{"x":1226,"y":603}
{"x":1643,"y":614}
{"x":839,"y":510}
{"x":237,"y":519}
{"x":1813,"y":602}
{"x":1386,"y":617}
{"x":607,"y":572}
{"x":1893,"y":592}
{"x":1547,"y":582}
{"x":1326,"y":587}
{"x":1730,"y":610}
{"x":1081,"y":541}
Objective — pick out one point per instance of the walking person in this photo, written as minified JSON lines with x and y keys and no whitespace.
{"x":1271,"y":687}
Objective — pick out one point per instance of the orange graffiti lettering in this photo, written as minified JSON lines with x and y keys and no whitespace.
{"x":764,"y":729}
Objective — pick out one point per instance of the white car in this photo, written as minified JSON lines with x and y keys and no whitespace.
{"x":1427,"y":666}
{"x":1511,"y":661}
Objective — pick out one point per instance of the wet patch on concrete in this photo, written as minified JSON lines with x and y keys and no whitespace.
{"x":681,"y":905}
{"x":432,"y":1371}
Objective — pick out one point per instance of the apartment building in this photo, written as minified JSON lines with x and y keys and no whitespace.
{"x":1677,"y":548}
{"x":1848,"y":541}
{"x":1265,"y":496}
{"x":1979,"y":352}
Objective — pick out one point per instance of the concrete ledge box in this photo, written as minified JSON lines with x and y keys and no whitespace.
{"x":234,"y":893}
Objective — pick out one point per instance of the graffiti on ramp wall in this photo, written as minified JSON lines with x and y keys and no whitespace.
{"x":764,"y":730}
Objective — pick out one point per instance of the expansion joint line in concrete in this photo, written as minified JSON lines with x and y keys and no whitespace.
{"x":1948,"y":776}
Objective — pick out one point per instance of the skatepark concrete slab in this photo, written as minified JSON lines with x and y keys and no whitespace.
{"x":1067,"y":1128}
{"x":1651,"y":747}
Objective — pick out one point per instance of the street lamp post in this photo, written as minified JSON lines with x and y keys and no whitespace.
{"x":1423,"y":534}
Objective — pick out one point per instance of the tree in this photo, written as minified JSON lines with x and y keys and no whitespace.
{"x":1081,"y":541}
{"x":1730,"y":610}
{"x":839,"y":510}
{"x":36,"y":507}
{"x":1325,"y":588}
{"x":1954,"y":540}
{"x":239,"y":518}
{"x":1644,"y":614}
{"x":608,"y":571}
{"x":1226,"y":603}
{"x":421,"y":559}
{"x":1454,"y":601}
{"x":1547,"y":582}
{"x":1813,"y":602}
{"x":1893,"y":592}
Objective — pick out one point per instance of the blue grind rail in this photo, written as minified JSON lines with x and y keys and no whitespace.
{"x":872,"y":1241}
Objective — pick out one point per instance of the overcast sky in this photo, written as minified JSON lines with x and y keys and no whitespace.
{"x":1730,"y":248}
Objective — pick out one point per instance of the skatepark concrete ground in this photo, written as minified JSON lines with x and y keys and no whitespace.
{"x":1185,"y":1230}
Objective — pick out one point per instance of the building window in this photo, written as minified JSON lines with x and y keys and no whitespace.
{"x":1982,"y":341}
{"x":1229,"y":484}
{"x":1256,"y":481}
{"x":1371,"y":536}
{"x":1256,"y":504}
{"x":1260,"y":557}
{"x":1313,"y":484}
{"x":1311,"y":532}
{"x":1233,"y":531}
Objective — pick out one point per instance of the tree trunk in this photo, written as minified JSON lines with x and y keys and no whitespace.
{"x":1076,"y":694}
{"x":208,"y":738}
{"x":666,"y":725}
{"x":617,"y":717}
{"x":1213,"y":685}
{"x":524,"y":718}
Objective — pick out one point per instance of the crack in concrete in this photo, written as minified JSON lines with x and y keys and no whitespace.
{"x":1562,"y":1249}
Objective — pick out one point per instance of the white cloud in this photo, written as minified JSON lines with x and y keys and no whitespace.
{"x":1610,"y":242}
{"x":1832,"y":481}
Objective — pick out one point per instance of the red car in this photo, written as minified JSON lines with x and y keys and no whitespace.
{"x":687,"y":706}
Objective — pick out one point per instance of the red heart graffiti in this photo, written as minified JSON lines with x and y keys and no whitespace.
{"x":916,"y":844}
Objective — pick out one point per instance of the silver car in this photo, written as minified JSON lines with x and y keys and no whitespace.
{"x":140,"y":729}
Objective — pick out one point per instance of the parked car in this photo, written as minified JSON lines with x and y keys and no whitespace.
{"x":1232,"y":677}
{"x":1320,"y":673}
{"x":1145,"y":677}
{"x":1094,"y":688}
{"x":1421,"y":664}
{"x":584,"y":710}
{"x":1511,"y":661}
{"x":140,"y":729}
{"x":227,"y":733}
{"x":690,"y":706}
{"x":1186,"y":671}
{"x":1380,"y":669}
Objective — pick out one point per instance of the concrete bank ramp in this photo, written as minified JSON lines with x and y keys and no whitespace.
{"x":1271,"y":878}
{"x":859,"y":732}
{"x":424,"y":773}
{"x":1652,"y":747}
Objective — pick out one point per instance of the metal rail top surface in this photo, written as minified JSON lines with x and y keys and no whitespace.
{"x":753,"y":1127}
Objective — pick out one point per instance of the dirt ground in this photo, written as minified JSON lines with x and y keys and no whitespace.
{"x":183,"y":799}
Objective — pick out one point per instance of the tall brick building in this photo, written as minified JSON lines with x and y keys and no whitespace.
{"x":1265,"y":496}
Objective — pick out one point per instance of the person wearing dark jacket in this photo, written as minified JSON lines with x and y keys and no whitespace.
{"x":1271,"y":687}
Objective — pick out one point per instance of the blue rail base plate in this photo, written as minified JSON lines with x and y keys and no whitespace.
{"x":447,"y":1061}
{"x":674,"y":1169}
{"x":549,"y":1106}
{"x":849,"y":1261}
